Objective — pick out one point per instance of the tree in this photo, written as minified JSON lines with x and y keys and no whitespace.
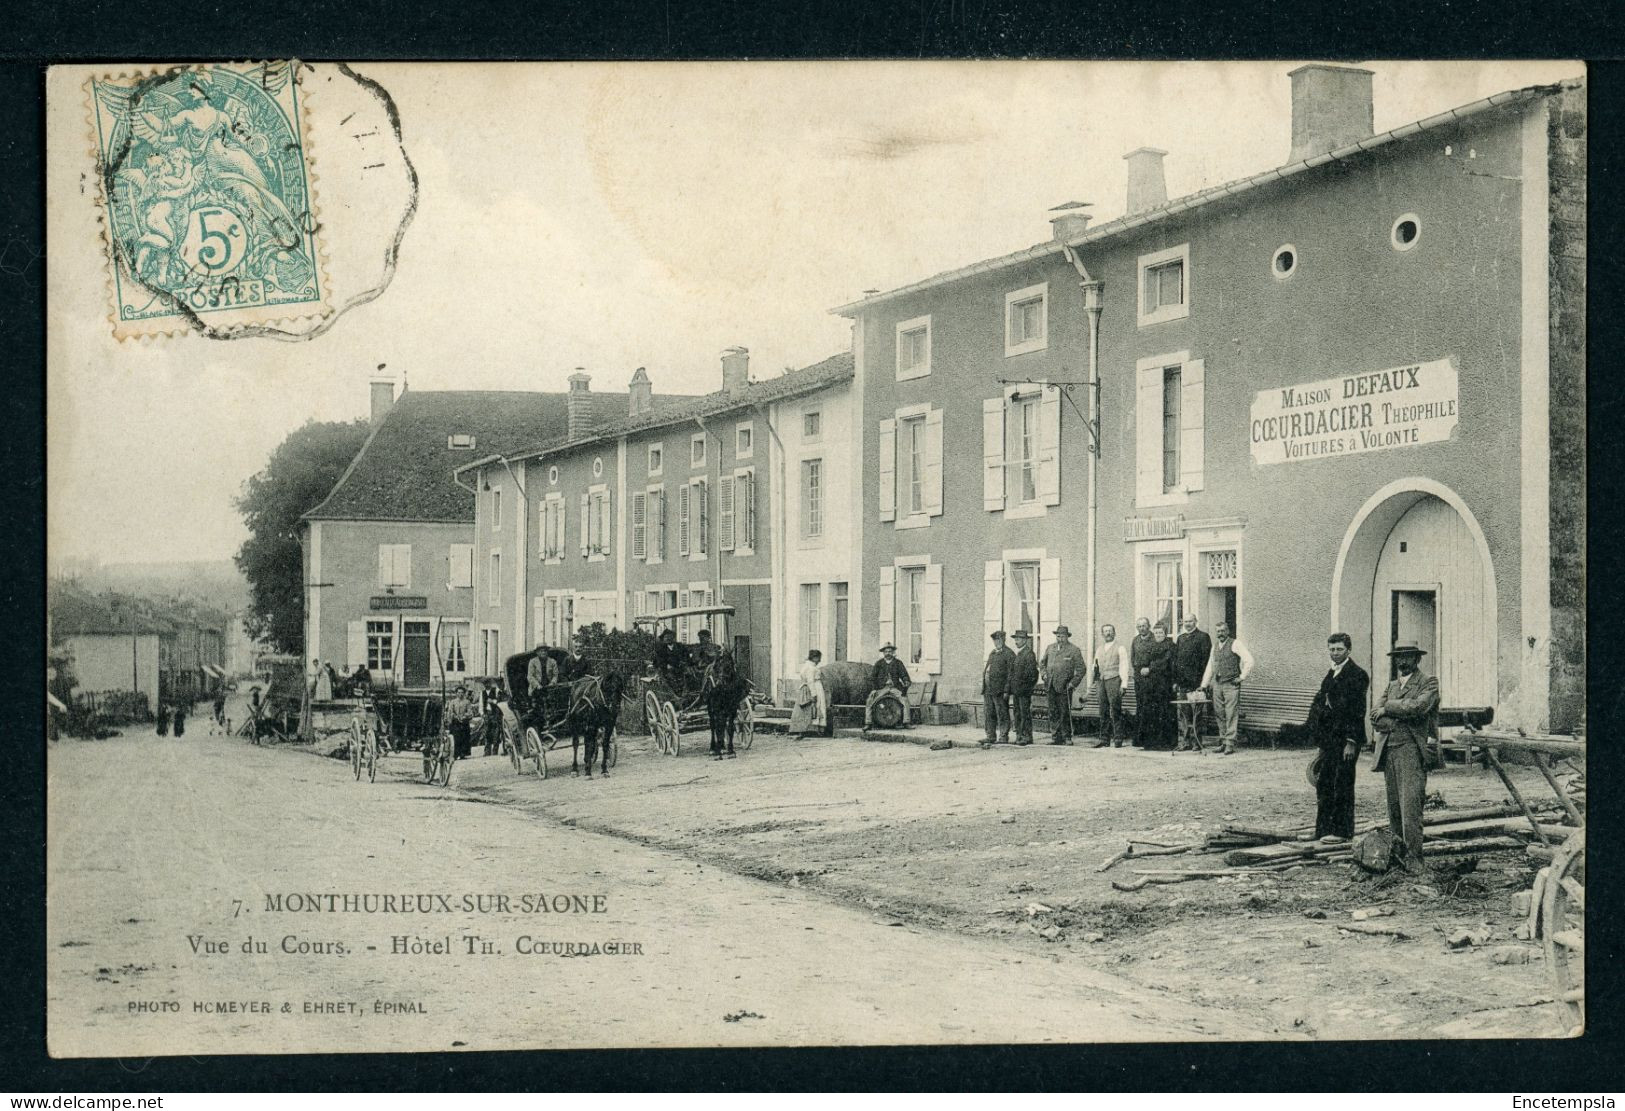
{"x":301,"y":472}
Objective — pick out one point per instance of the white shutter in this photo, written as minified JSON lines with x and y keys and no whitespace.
{"x":1049,"y":599}
{"x":356,"y":646}
{"x":931,"y":621}
{"x":993,"y":453}
{"x":603,"y":521}
{"x":888,"y":470}
{"x":1191,"y":432}
{"x":888,"y":606}
{"x":539,"y":619}
{"x":682,"y":519}
{"x":725,"y":504}
{"x":1049,"y":447}
{"x":461,"y":572}
{"x":992,"y":597}
{"x":403,"y":566}
{"x":640,"y":526}
{"x":1148,"y":434}
{"x":385,"y":566}
{"x":931,"y":481}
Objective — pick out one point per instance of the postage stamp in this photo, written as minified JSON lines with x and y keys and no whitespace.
{"x":208,"y":196}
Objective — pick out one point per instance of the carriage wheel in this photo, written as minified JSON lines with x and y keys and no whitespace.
{"x":745,"y":725}
{"x":1563,"y":911}
{"x":536,"y":750}
{"x":510,"y":745}
{"x":651,"y":720}
{"x":372,"y":759}
{"x":674,"y":731}
{"x":355,"y":749}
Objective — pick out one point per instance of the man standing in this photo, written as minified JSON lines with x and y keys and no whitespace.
{"x":1112,"y":669}
{"x":996,"y":692}
{"x":1191,"y":651}
{"x":1023,"y":678}
{"x":1061,"y":672}
{"x":1337,"y":722}
{"x":1228,"y":666}
{"x":1406,"y":717}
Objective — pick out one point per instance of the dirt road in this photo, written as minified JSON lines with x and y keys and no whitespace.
{"x":196,"y":905}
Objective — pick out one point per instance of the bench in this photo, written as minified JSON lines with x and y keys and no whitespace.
{"x":1264,"y":711}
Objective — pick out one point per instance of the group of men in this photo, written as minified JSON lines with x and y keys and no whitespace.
{"x":1160,"y":671}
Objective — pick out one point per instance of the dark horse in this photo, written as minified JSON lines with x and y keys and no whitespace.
{"x":595,"y":703}
{"x":723,"y":690}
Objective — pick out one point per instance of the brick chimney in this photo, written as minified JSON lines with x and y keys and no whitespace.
{"x":1068,"y":221}
{"x":1147,"y":188}
{"x":383,"y":399}
{"x":1331,"y":108}
{"x":578,"y":405}
{"x":640,"y":394}
{"x":735,"y":369}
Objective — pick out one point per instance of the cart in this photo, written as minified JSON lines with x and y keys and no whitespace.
{"x":675,"y":705}
{"x":532,"y":726}
{"x":1561,"y":887}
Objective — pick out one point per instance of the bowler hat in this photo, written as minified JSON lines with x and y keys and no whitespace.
{"x":888,"y":647}
{"x":1062,"y":630}
{"x":1022,"y":634}
{"x":1407,"y":648}
{"x":999,"y":635}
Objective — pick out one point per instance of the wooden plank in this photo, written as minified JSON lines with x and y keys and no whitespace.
{"x":1496,"y":825}
{"x":1548,"y":743}
{"x":1268,"y":854}
{"x":1512,"y":789}
{"x":1562,"y":795}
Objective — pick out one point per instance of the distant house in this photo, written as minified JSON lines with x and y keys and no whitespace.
{"x":389,"y":554}
{"x":163,"y":650}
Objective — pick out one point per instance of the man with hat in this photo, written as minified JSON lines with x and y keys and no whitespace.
{"x":1023,"y":678}
{"x":996,"y":692}
{"x":1337,"y":723}
{"x":1406,"y":717}
{"x":889,"y":671}
{"x":1060,"y":673}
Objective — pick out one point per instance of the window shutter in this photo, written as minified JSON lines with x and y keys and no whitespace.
{"x":657,"y":521}
{"x":356,"y":645}
{"x":1049,"y":600}
{"x":640,"y":526}
{"x":748,"y":502}
{"x":992,"y":599}
{"x":888,"y":470}
{"x":725,"y":505}
{"x":403,"y":566}
{"x":993,"y":453}
{"x":931,"y":481}
{"x":603,"y":521}
{"x":586,"y":524}
{"x":1148,"y":434}
{"x":1191,"y":431}
{"x":703,"y":536}
{"x":1049,"y":447}
{"x":461,"y":571}
{"x":384,"y":566}
{"x":683,"y":516}
{"x":888,"y":605}
{"x":539,"y":619}
{"x":931,"y":621}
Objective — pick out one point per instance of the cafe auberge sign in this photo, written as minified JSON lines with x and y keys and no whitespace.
{"x":1355,"y":414}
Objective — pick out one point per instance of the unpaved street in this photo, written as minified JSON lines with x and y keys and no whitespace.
{"x":161,"y":850}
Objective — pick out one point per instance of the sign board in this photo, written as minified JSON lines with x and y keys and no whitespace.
{"x":400,"y":602}
{"x":1153,"y":528}
{"x":1355,"y":414}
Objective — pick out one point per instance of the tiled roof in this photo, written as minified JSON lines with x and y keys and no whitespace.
{"x":405,"y":470}
{"x":794,"y":383}
{"x":1207,"y":196}
{"x":78,"y":612}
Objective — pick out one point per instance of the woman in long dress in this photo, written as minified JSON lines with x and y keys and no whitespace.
{"x":811,"y":710}
{"x":1155,"y":693}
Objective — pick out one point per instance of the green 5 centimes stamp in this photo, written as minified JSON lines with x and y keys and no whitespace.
{"x":207,"y":188}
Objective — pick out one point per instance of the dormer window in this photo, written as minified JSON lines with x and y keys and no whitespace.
{"x":460,"y":441}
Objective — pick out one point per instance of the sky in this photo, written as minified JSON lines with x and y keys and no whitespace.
{"x":615,"y":216}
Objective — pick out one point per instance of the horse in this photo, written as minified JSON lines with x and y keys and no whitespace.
{"x":722,"y":691}
{"x":595,"y":703}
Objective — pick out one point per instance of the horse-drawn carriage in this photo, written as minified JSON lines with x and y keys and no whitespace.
{"x":560,"y":709}
{"x":679,"y":695}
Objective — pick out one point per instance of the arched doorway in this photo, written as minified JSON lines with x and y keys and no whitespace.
{"x":1414,"y":565}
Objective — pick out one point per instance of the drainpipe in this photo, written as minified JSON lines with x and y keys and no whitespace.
{"x":1091,"y":304}
{"x":522,"y":562}
{"x":713,"y":535}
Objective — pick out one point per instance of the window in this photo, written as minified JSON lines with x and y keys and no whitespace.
{"x":657,"y":459}
{"x":1283,"y":262}
{"x":1022,"y":591}
{"x":1170,"y":428}
{"x":1164,"y":285}
{"x":491,"y":664}
{"x":460,"y":441}
{"x":812,"y":425}
{"x":656,"y":514}
{"x":454,"y":647}
{"x":395,"y":566}
{"x":1026,"y":322}
{"x":493,"y":585}
{"x":911,"y":613}
{"x":725,"y":513}
{"x":598,"y":466}
{"x":745,"y":507}
{"x":1024,"y":412}
{"x":552,"y":525}
{"x":496,"y":509}
{"x":696,"y":450}
{"x":812,"y":604}
{"x":693,"y":526}
{"x":1221,"y":575}
{"x":595,"y":523}
{"x":1021,"y":600}
{"x":381,"y":646}
{"x":553,"y":475}
{"x":744,"y":436}
{"x":812,"y":498}
{"x":914,"y":348}
{"x":1405,"y":232}
{"x":911,"y":466}
{"x":1021,"y":448}
{"x":461,"y":572}
{"x":1168,"y":578}
{"x":840,"y":605}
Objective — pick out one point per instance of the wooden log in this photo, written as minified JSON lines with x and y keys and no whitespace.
{"x":1478,"y":845}
{"x":1562,"y":795}
{"x":1496,"y":825}
{"x":1540,"y":742}
{"x":1263,"y":832}
{"x":1379,"y":931}
{"x":1269,"y":854}
{"x":1512,"y":789}
{"x":1500,"y":810}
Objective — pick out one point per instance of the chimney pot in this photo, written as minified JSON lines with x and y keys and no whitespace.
{"x":578,"y":405}
{"x":640,"y":393}
{"x":735,"y":369}
{"x":1069,"y":220}
{"x":383,"y":399}
{"x":1147,"y":187}
{"x":1331,"y":108}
